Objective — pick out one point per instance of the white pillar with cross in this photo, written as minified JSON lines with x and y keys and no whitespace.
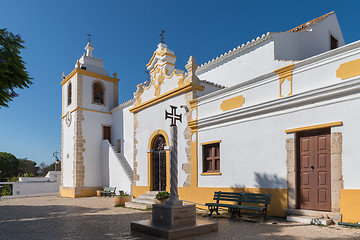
{"x":174,"y":197}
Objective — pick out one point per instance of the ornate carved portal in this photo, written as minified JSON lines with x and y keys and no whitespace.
{"x":159,"y":164}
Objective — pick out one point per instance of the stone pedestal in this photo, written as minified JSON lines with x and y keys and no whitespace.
{"x":173,"y":222}
{"x":173,"y":216}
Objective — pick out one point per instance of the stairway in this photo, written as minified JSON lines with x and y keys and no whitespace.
{"x":312,"y":217}
{"x":144,"y":201}
{"x":124,"y":163}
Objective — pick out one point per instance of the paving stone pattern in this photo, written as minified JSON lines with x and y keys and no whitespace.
{"x":52,"y":217}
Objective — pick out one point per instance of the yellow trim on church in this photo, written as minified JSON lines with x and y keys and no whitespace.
{"x":202,"y":195}
{"x":349,"y":205}
{"x":232,"y":103}
{"x":211,"y":142}
{"x":285,"y":73}
{"x":85,"y":110}
{"x":90,"y":74}
{"x":161,"y":54}
{"x":167,"y":95}
{"x":313,"y":127}
{"x":149,"y":156}
{"x":348,"y":69}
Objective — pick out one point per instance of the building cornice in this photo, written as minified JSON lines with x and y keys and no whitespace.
{"x":298,"y":102}
{"x":167,"y":95}
{"x":304,"y":65}
{"x":90,"y":74}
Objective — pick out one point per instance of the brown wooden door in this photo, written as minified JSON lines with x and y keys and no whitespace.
{"x":314,"y":171}
{"x":107,"y":133}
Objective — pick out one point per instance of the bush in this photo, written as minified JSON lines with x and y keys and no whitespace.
{"x":162,"y":195}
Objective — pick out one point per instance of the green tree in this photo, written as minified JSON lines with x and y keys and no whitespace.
{"x":9,"y":165}
{"x":13,"y":72}
{"x":44,"y":169}
{"x":28,"y":166}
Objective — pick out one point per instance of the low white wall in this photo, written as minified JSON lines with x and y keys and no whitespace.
{"x":22,"y":188}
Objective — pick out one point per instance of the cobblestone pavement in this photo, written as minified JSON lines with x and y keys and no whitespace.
{"x":53,"y":217}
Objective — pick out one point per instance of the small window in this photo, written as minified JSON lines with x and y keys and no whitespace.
{"x":69,"y":94}
{"x":98,"y":93}
{"x":211,"y":158}
{"x":334,"y":43}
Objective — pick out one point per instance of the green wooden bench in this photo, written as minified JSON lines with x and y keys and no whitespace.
{"x":108,"y":192}
{"x":234,"y":203}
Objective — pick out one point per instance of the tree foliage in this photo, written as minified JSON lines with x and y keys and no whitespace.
{"x":28,"y":167}
{"x":13,"y":72}
{"x":44,"y":169}
{"x":9,"y":165}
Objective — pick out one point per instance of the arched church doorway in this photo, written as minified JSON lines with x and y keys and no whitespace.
{"x":159,"y":164}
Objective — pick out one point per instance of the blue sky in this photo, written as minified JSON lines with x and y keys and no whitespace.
{"x":125,"y":35}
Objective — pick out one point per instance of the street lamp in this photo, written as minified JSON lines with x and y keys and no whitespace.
{"x":57,"y":161}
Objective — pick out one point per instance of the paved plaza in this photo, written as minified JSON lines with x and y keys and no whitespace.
{"x":52,"y":217}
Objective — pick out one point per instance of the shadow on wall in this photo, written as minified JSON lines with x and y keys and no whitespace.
{"x":269,"y":183}
{"x":264,"y":180}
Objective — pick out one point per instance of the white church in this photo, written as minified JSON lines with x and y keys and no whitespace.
{"x":278,"y":114}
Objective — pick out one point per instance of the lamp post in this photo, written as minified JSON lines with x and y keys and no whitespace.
{"x":57,"y":161}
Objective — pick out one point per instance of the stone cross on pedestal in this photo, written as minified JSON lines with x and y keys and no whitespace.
{"x":174,"y":197}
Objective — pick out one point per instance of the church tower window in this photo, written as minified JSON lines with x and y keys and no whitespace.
{"x":98,"y":91}
{"x":69,"y":94}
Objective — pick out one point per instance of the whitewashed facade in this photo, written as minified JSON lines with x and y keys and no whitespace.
{"x":256,"y":108}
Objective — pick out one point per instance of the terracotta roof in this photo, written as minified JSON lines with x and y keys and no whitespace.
{"x":310,"y":23}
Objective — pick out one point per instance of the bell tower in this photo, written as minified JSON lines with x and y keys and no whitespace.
{"x":88,"y":95}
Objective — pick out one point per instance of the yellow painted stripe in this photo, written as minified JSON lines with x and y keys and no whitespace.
{"x":208,"y":174}
{"x":313,"y":127}
{"x":90,"y":74}
{"x":162,"y":97}
{"x":205,"y":143}
{"x":86,"y":110}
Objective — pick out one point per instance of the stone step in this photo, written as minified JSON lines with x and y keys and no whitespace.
{"x":309,"y":220}
{"x":335,"y":216}
{"x":138,"y":205}
{"x":152,"y":193}
{"x":147,"y":196}
{"x":143,"y":200}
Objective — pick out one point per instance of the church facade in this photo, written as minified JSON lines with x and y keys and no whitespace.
{"x":278,"y":114}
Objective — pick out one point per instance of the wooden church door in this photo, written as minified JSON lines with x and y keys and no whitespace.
{"x":314,"y":171}
{"x":159,"y":164}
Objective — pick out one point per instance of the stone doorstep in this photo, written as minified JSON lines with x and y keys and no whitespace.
{"x":152,"y":193}
{"x":335,"y":216}
{"x":309,"y":220}
{"x":138,"y":205}
{"x":143,"y":200}
{"x":144,"y":196}
{"x":201,"y":227}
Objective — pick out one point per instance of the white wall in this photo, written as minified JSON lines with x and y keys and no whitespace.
{"x":117,"y":176}
{"x":313,"y":41}
{"x":151,"y":119}
{"x":68,"y":152}
{"x":92,"y":133}
{"x":87,"y":95}
{"x":123,"y":129}
{"x":250,"y":64}
{"x":253,"y":137}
